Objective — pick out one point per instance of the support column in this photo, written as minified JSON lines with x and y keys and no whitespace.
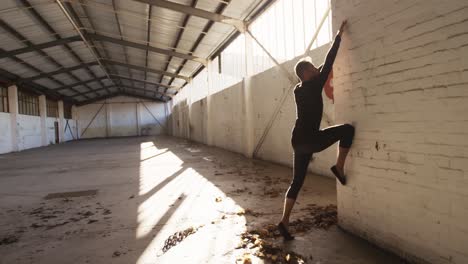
{"x":166,"y":120}
{"x":75,"y":117}
{"x":249,"y":138}
{"x":43,"y":115}
{"x":189,"y":109}
{"x":208,"y":131}
{"x":108,"y":118}
{"x":61,"y":121}
{"x":13,"y":107}
{"x":138,"y":117}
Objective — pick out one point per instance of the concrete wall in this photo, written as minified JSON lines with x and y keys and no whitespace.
{"x":20,"y":132}
{"x":5,"y":133}
{"x":70,"y":133}
{"x":29,"y":132}
{"x":223,"y":119}
{"x":402,"y":78}
{"x":121,"y":116}
{"x":51,"y":129}
{"x":92,"y":128}
{"x":123,"y":119}
{"x":227,"y":119}
{"x":149,"y":115}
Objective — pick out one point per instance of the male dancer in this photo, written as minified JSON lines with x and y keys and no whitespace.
{"x":307,"y":138}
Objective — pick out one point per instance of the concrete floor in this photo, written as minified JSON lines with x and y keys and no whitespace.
{"x":148,"y":188}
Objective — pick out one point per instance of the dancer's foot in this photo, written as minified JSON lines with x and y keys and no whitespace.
{"x":339,"y":174}
{"x":284,"y":232}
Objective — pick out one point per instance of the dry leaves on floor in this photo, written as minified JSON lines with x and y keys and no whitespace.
{"x":178,"y":237}
{"x":273,"y":192}
{"x":319,"y":216}
{"x":52,"y":214}
{"x":266,"y":250}
{"x":239,"y":191}
{"x":255,"y":240}
{"x":9,"y":240}
{"x":248,"y":212}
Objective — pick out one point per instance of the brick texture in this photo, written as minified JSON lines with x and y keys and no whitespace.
{"x":401,"y":77}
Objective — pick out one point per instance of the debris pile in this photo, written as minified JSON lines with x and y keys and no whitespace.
{"x":177,"y":237}
{"x":248,"y":212}
{"x":266,"y":250}
{"x":51,"y":215}
{"x":321,"y":216}
{"x":255,"y":240}
{"x":273,"y":192}
{"x":239,"y":190}
{"x":8,"y":240}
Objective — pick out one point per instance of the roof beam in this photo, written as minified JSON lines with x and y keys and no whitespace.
{"x":76,"y":24}
{"x":147,"y":47}
{"x":140,"y":89}
{"x":45,"y":25}
{"x":111,"y":95}
{"x":5,"y":26}
{"x":80,"y":83}
{"x":113,"y":86}
{"x":97,"y":37}
{"x":140,"y":68}
{"x":58,"y":42}
{"x":119,"y":26}
{"x":97,"y":90}
{"x":98,"y":98}
{"x":238,"y":24}
{"x":63,"y":70}
{"x":148,"y":39}
{"x":12,"y":78}
{"x":179,"y":37}
{"x":219,"y":9}
{"x":142,"y":81}
{"x":142,"y":96}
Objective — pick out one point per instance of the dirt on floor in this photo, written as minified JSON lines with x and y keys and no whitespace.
{"x":164,"y":200}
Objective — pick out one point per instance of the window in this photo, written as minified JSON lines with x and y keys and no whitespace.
{"x":3,"y":99}
{"x":52,"y":108}
{"x":67,"y":111}
{"x":28,"y":104}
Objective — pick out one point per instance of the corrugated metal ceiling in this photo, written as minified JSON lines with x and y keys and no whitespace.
{"x":134,"y":47}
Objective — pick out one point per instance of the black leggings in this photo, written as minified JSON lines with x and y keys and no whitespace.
{"x":318,"y":141}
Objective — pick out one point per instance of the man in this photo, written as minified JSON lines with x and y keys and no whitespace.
{"x":307,"y":138}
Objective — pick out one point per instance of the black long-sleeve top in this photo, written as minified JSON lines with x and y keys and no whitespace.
{"x":308,"y":97}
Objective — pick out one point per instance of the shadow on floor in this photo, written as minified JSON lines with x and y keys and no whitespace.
{"x":151,"y":189}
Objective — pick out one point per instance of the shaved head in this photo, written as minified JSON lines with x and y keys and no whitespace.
{"x":304,"y":69}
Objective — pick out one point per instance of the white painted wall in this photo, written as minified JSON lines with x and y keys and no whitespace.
{"x":20,"y":132}
{"x":5,"y":133}
{"x":92,"y":128}
{"x":121,"y":116}
{"x":226,"y":117}
{"x":70,"y":133}
{"x":220,"y":119}
{"x":51,"y":129}
{"x":402,"y":78}
{"x":28,"y":132}
{"x":152,"y":118}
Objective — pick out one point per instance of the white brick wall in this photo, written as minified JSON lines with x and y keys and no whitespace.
{"x":401,"y":77}
{"x":223,"y":122}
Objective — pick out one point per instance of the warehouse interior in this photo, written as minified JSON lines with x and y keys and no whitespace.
{"x":159,"y":131}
